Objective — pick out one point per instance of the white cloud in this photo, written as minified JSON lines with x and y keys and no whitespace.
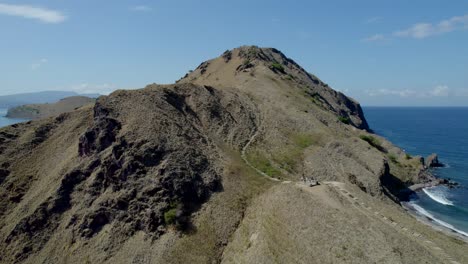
{"x":376,"y":37}
{"x":38,"y":64}
{"x":384,"y":92}
{"x":375,"y":19}
{"x":31,"y":12}
{"x":438,"y":91}
{"x":424,"y":30}
{"x":86,"y":88}
{"x":142,"y":8}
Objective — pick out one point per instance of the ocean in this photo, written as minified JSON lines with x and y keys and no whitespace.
{"x":426,"y":130}
{"x":8,"y":121}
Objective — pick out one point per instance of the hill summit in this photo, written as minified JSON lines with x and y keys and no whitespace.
{"x":251,"y":67}
{"x":212,"y":169}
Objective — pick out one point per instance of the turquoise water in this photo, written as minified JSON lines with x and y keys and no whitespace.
{"x":8,"y":121}
{"x":422,"y":131}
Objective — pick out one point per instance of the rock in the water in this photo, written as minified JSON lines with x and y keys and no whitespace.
{"x":433,"y":161}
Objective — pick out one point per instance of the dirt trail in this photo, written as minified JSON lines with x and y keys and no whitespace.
{"x":371,"y":212}
{"x":244,"y":157}
{"x":359,"y":205}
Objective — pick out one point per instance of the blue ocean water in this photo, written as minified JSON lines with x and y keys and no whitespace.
{"x":422,"y":131}
{"x":8,"y":121}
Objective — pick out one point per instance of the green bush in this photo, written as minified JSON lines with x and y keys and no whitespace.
{"x":170,"y":216}
{"x":393,"y":158}
{"x":344,"y":120}
{"x":277,"y":67}
{"x":373,"y":142}
{"x":408,"y":156}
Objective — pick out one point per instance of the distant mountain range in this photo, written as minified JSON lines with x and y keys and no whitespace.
{"x":43,"y":97}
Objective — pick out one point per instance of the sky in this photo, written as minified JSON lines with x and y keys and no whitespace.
{"x":382,"y":53}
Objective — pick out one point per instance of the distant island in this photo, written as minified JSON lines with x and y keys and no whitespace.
{"x":37,"y":111}
{"x":43,"y":97}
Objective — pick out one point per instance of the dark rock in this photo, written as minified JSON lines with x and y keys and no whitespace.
{"x":101,"y":135}
{"x":3,"y":175}
{"x":227,"y":55}
{"x":432,"y":161}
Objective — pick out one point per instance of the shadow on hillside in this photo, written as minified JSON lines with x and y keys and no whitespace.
{"x":395,"y":189}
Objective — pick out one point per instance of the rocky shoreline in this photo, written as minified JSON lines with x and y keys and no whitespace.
{"x":425,"y":178}
{"x":433,"y":223}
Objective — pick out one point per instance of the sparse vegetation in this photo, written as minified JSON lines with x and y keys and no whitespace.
{"x":393,"y":158}
{"x":303,"y":140}
{"x":276,"y":67}
{"x":170,"y":216}
{"x":373,"y":142}
{"x":288,"y":159}
{"x":344,"y":120}
{"x":263,"y":164}
{"x":408,"y":156}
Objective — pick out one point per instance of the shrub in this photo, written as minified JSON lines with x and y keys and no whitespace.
{"x":408,"y":156}
{"x":393,"y":158}
{"x":277,"y":67}
{"x":373,"y":142}
{"x":344,"y":120}
{"x":170,"y":216}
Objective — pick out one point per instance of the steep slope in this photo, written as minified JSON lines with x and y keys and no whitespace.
{"x":251,"y":68}
{"x":159,"y":175}
{"x":37,"y":111}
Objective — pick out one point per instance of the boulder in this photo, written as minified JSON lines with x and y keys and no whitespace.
{"x":432,"y":161}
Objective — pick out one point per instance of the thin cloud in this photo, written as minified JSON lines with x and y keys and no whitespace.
{"x":386,"y":92}
{"x":374,"y":20}
{"x":373,"y":38}
{"x":142,"y":8}
{"x":424,"y":30}
{"x":31,"y":12}
{"x":87,"y":88}
{"x":438,"y":91}
{"x":38,"y":64}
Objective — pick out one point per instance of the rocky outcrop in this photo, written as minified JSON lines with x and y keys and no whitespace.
{"x":136,"y":165}
{"x":432,"y":161}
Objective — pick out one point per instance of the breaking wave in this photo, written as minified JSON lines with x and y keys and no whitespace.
{"x":425,"y":213}
{"x":437,"y":195}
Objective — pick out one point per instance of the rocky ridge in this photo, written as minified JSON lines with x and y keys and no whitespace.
{"x":157,"y":175}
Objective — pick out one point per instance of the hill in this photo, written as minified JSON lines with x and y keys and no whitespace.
{"x":36,"y":111}
{"x":210,"y":170}
{"x":7,"y":101}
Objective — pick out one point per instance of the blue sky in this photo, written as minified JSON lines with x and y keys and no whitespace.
{"x":379,"y":52}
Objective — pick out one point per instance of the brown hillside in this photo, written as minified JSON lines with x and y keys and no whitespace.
{"x":209,"y":170}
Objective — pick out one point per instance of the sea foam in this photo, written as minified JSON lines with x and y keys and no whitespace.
{"x":425,"y":213}
{"x":437,"y":195}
